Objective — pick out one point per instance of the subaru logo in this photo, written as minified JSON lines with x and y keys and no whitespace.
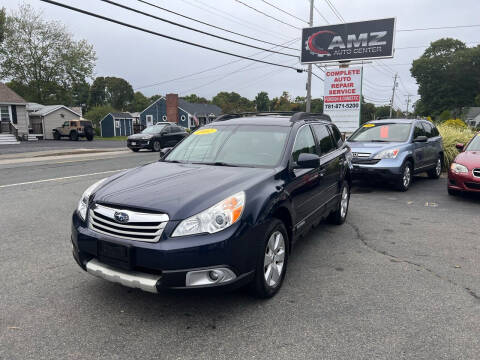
{"x":121,"y":217}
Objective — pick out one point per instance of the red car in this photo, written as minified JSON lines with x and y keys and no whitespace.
{"x":464,"y":173}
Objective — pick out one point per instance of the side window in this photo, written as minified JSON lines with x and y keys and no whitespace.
{"x":337,"y":136}
{"x":435,"y":131}
{"x":419,"y":130}
{"x":428,"y":129}
{"x":66,"y":123}
{"x":324,"y":139}
{"x":304,"y":143}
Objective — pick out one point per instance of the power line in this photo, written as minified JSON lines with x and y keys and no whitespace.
{"x":167,"y":36}
{"x":426,"y":46}
{"x":285,"y":12}
{"x":441,"y":27}
{"x":234,"y":19}
{"x":317,"y":76}
{"x":335,"y":11}
{"x":320,"y":14}
{"x":214,"y":26}
{"x":190,"y":28}
{"x":267,"y":15}
{"x":203,"y":71}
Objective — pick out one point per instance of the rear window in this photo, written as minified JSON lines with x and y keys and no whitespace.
{"x":393,"y":132}
{"x":85,"y":123}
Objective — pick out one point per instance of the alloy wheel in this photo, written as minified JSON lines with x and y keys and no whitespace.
{"x":344,"y":202}
{"x":407,"y":176}
{"x":274,"y":260}
{"x":438,"y":168}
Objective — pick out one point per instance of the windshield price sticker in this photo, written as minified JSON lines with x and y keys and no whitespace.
{"x":205,"y":131}
{"x":369,"y":125}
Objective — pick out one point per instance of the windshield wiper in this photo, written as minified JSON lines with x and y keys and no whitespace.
{"x":379,"y":141}
{"x":173,"y":161}
{"x":216,"y":163}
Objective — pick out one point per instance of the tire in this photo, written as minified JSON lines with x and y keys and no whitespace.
{"x":135,"y":150}
{"x":156,"y":146}
{"x":56,"y":135}
{"x":89,"y":137}
{"x":404,"y":181}
{"x":437,"y":170}
{"x":74,"y":136}
{"x":260,"y":287}
{"x":339,"y":216}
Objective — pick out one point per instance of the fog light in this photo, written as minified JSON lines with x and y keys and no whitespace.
{"x":209,"y":277}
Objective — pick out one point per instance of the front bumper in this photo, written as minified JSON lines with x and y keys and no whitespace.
{"x":167,"y":263}
{"x":139,"y":144}
{"x":385,"y":169}
{"x":463,"y":182}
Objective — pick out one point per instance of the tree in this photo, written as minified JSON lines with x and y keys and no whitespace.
{"x":232,"y":102}
{"x":448,"y":76}
{"x":3,"y":20}
{"x":317,"y":105}
{"x":42,"y":57}
{"x":111,"y":90}
{"x":140,"y":102}
{"x":262,"y":102}
{"x":192,"y":98}
{"x":283,"y":103}
{"x":477,"y":100}
{"x":367,"y":112}
{"x":382,"y":112}
{"x":97,"y":113}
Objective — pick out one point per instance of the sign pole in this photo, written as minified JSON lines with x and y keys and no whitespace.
{"x":309,"y":78}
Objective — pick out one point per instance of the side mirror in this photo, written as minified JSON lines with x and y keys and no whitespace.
{"x":459,"y":146}
{"x":308,"y":161}
{"x":421,"y":138}
{"x":165,"y":151}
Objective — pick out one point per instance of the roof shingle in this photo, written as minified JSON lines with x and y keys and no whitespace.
{"x":9,"y":96}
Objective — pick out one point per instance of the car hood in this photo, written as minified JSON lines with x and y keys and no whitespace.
{"x":372,"y":147}
{"x":140,"y":136}
{"x":471,"y":159}
{"x":179,"y":190}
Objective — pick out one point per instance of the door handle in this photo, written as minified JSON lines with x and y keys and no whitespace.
{"x":322,"y":172}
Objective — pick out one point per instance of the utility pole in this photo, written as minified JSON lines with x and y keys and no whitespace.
{"x":408,"y":101}
{"x":393,"y":94}
{"x":309,"y":78}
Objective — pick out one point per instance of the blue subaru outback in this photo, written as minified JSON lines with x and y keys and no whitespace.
{"x":394,"y":150}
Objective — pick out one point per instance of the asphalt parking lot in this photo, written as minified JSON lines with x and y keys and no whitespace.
{"x":399,"y":280}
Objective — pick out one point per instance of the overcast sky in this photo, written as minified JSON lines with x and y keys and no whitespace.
{"x":145,"y":59}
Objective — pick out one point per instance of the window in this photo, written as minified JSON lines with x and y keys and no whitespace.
{"x":164,"y":117}
{"x":435,"y":131}
{"x":66,"y":123}
{"x":117,"y":123}
{"x":383,"y":132}
{"x":419,"y":130}
{"x":149,"y":119}
{"x":304,"y":143}
{"x":428,"y":129}
{"x":183,"y":118}
{"x":73,"y":123}
{"x":4,"y":113}
{"x":324,"y":139}
{"x":242,"y":145}
{"x":337,"y":136}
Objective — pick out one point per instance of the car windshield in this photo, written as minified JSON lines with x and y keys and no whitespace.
{"x":474,"y":145}
{"x":153,"y":129}
{"x":233,"y":145}
{"x":394,"y":132}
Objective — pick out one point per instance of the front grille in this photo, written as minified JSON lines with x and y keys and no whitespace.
{"x":476,"y":172}
{"x":473,"y":185}
{"x":360,"y":155}
{"x":365,"y":161}
{"x":140,"y":226}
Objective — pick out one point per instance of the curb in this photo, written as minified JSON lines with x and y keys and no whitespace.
{"x":47,"y":153}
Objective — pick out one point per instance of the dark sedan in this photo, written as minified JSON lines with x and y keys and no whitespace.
{"x":157,"y":137}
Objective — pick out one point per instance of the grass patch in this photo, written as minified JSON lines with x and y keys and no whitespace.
{"x":114,"y":138}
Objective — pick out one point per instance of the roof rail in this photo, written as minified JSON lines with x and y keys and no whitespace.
{"x":295,"y":116}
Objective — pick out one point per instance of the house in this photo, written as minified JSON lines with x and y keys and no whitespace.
{"x":45,"y":118}
{"x":173,"y":109}
{"x":116,"y":124}
{"x":13,"y":116}
{"x":473,"y":117}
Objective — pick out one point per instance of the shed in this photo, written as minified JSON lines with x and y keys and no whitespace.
{"x":49,"y":117}
{"x":116,"y":124}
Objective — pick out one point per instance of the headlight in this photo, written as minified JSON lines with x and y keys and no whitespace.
{"x":387,"y":154}
{"x":83,"y":203}
{"x":214,"y":219}
{"x":458,"y":168}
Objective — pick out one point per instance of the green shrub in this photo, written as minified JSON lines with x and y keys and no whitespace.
{"x":445,"y":115}
{"x":453,"y":134}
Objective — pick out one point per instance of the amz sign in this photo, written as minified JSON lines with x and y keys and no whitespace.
{"x":349,"y":41}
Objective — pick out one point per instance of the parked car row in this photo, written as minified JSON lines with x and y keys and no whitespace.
{"x":225,"y":205}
